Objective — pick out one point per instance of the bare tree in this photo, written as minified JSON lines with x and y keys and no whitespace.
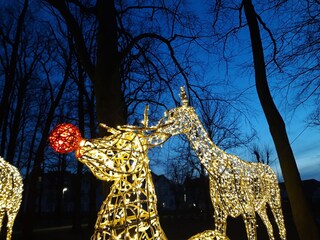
{"x":27,"y":68}
{"x":315,"y":117}
{"x":54,"y":99}
{"x":182,"y":164}
{"x":262,"y":155}
{"x":299,"y":38}
{"x":9,"y":61}
{"x":224,"y":33}
{"x":304,"y":221}
{"x":128,"y":50}
{"x":223,"y":124}
{"x":81,"y":117}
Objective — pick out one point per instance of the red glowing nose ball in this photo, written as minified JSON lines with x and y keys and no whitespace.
{"x":65,"y":138}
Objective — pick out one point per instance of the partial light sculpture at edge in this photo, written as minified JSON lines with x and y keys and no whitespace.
{"x":237,"y":187}
{"x":130,"y":210}
{"x":11,"y":188}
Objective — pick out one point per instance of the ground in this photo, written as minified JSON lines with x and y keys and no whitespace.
{"x":177,"y":227}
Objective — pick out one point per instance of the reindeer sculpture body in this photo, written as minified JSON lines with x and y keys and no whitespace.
{"x":237,"y":187}
{"x":11,"y":187}
{"x":130,"y":210}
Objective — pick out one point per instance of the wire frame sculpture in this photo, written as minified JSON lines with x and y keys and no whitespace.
{"x":65,"y":138}
{"x":130,"y":210}
{"x":11,"y":188}
{"x":237,"y":187}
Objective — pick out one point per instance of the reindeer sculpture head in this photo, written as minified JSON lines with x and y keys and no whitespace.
{"x":178,"y":120}
{"x":115,"y":156}
{"x":122,"y":153}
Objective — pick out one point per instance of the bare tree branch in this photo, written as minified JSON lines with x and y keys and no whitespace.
{"x":73,"y":27}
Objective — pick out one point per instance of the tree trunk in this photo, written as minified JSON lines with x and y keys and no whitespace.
{"x":93,"y":180}
{"x":304,"y":221}
{"x":78,"y":181}
{"x":105,"y":74}
{"x":110,"y":105}
{"x":14,"y":130}
{"x":30,"y":215}
{"x":10,"y":75}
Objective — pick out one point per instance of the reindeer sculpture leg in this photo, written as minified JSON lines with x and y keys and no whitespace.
{"x":250,"y":224}
{"x":277,"y":213}
{"x":220,"y":220}
{"x":264,"y":216}
{"x":275,"y":205}
{"x":11,"y":217}
{"x":2,"y":213}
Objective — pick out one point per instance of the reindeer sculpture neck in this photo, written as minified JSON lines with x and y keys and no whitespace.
{"x":133,"y":196}
{"x":185,"y":120}
{"x":210,"y":155}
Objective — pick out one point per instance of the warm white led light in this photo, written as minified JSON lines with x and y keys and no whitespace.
{"x":64,"y":190}
{"x":11,"y":188}
{"x":237,"y":187}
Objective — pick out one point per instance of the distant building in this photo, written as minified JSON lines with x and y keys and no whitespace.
{"x":196,"y":194}
{"x":311,"y":189}
{"x":165,"y":191}
{"x":57,"y":193}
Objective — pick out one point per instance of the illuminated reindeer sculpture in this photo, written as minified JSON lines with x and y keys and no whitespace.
{"x":130,"y":210}
{"x":11,"y":187}
{"x":237,"y":187}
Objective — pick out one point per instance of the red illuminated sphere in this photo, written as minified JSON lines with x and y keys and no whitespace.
{"x":65,"y":138}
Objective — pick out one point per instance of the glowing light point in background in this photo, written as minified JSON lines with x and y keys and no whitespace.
{"x":65,"y":138}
